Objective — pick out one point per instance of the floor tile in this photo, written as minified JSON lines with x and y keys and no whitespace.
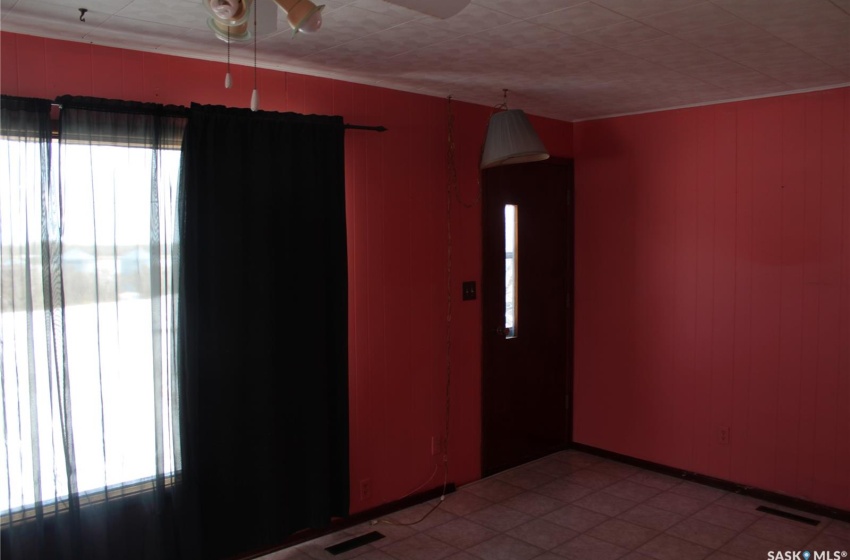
{"x":741,"y":503}
{"x":700,"y":532}
{"x":676,"y":503}
{"x":791,"y":533}
{"x":622,"y":533}
{"x":653,"y":518}
{"x":826,"y":541}
{"x":575,"y":518}
{"x":631,"y":490}
{"x":612,"y":468}
{"x":493,"y":489}
{"x":839,"y":529}
{"x":392,"y":533}
{"x":553,"y":467}
{"x":533,"y":503}
{"x":548,"y":556}
{"x":748,"y":546}
{"x":655,"y":480}
{"x":462,"y":556}
{"x":542,"y":533}
{"x":461,"y":533}
{"x":463,"y":503}
{"x":316,"y":548}
{"x":499,"y":517}
{"x":373,"y":555}
{"x":584,"y":547}
{"x":571,"y":505}
{"x":420,"y":547}
{"x":698,"y":491}
{"x":666,"y":547}
{"x":421,"y":518}
{"x":504,"y":547}
{"x":525,"y":478}
{"x":719,"y":555}
{"x":726,"y":517}
{"x":577,"y":458}
{"x":564,"y":491}
{"x":605,"y":504}
{"x":288,"y":554}
{"x":591,"y":479}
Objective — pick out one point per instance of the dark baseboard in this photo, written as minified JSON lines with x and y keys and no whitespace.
{"x":340,"y":523}
{"x":758,"y":493}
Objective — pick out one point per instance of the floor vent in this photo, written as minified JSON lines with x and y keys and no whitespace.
{"x":791,"y":516}
{"x":356,"y":542}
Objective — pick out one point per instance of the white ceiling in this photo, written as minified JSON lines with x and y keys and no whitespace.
{"x":566,"y":59}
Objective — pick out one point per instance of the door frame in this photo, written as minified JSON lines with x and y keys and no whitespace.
{"x":570,"y":311}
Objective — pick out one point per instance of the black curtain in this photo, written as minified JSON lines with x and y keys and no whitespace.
{"x":263,"y":322}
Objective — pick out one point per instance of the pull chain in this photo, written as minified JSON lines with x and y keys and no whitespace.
{"x":255,"y":96}
{"x":228,"y":82}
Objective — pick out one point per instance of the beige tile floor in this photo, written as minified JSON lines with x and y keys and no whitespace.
{"x":579,"y":506}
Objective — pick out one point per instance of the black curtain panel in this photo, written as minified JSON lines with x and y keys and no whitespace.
{"x":263,"y":325}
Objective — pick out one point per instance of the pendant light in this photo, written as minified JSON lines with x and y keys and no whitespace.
{"x":511,"y":139}
{"x":303,"y":15}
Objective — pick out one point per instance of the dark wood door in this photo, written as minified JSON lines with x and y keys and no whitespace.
{"x":527,"y":319}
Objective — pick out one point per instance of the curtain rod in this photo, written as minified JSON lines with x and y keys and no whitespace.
{"x":365,"y":127}
{"x":346,"y":125}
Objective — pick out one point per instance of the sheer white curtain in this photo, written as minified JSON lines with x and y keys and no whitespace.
{"x":88,"y":228}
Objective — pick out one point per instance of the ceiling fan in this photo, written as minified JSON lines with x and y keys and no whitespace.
{"x":229,"y":18}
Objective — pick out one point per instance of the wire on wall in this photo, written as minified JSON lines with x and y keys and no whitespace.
{"x":451,"y":192}
{"x":451,"y":162}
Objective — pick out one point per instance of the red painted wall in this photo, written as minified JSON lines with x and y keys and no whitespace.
{"x":713,"y":290}
{"x":397,"y":208}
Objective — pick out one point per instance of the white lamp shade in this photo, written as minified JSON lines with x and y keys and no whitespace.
{"x":511,"y":139}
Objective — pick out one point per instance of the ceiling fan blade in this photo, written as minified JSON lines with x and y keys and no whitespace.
{"x":442,"y":9}
{"x":266,"y":16}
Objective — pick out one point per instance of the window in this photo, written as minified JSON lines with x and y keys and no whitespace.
{"x":511,"y":270}
{"x":88,"y":380}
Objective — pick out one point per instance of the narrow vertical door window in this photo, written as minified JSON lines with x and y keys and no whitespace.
{"x":511,"y":270}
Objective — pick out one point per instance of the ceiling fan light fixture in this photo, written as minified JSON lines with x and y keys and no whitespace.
{"x":511,"y":139}
{"x":303,"y":15}
{"x":237,"y":33}
{"x":229,"y":12}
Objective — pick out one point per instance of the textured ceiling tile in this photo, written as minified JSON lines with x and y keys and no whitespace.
{"x":101,"y":6}
{"x":738,"y":31}
{"x":621,"y":34}
{"x":643,"y":8}
{"x":616,"y":65}
{"x":399,"y":13}
{"x":519,"y":33}
{"x":692,"y":18}
{"x":349,"y":23}
{"x":525,"y":9}
{"x":66,"y":18}
{"x":835,"y":33}
{"x":778,"y":16}
{"x":133,"y":29}
{"x":672,"y":52}
{"x":401,"y":38}
{"x":579,"y":19}
{"x":180,"y":14}
{"x":472,"y":19}
{"x":833,"y":54}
